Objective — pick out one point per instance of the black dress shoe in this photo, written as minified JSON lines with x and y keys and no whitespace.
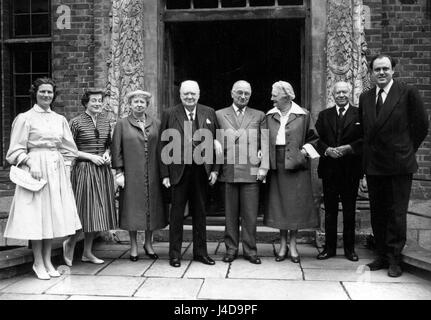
{"x":204,"y":260}
{"x":134,"y":258}
{"x":229,"y":257}
{"x":295,"y":259}
{"x":378,"y":264}
{"x":153,"y":256}
{"x":175,"y":262}
{"x":253,"y":259}
{"x":325,"y":254}
{"x":395,"y":271}
{"x":279,"y":258}
{"x":351,"y":255}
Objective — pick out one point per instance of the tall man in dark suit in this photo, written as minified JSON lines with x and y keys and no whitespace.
{"x":340,"y":147}
{"x":188,"y":178}
{"x":242,"y":127}
{"x":394,"y":124}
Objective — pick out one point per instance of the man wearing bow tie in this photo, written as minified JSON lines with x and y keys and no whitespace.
{"x":394,"y":125}
{"x":340,"y":147}
{"x":241,"y":126}
{"x":188,"y":180}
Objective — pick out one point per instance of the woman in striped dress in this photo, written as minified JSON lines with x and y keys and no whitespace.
{"x":91,"y":176}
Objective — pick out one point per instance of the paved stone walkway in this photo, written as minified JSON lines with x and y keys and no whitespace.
{"x":119,"y":278}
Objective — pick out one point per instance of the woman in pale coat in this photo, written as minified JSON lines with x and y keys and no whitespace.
{"x":290,"y":203}
{"x":135,"y":156}
{"x":42,"y":142}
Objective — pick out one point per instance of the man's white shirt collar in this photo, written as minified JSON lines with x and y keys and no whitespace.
{"x":296,"y":109}
{"x":188,"y":112}
{"x":386,"y":88}
{"x":345,"y":108}
{"x":236,"y":108}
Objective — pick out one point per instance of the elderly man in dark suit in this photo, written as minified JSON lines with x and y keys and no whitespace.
{"x":394,"y":125}
{"x":188,"y":177}
{"x":242,"y":127}
{"x":340,"y":147}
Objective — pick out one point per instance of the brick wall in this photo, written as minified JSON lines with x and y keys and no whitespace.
{"x":402,"y":28}
{"x":73,"y":55}
{"x":6,"y":102}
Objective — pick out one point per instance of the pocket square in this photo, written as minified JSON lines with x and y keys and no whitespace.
{"x":208,"y":121}
{"x":357,"y":123}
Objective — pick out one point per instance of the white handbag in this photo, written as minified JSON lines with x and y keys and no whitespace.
{"x":24,"y":179}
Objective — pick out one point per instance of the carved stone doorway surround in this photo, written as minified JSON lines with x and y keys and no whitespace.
{"x":337,"y":46}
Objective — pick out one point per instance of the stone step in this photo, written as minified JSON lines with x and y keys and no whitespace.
{"x":7,"y":186}
{"x":19,"y":260}
{"x":7,"y":193}
{"x":415,"y":255}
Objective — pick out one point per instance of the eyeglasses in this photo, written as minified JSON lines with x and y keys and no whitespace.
{"x":96,"y":133}
{"x":245,"y":93}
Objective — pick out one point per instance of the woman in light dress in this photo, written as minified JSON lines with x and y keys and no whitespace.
{"x":41,"y":141}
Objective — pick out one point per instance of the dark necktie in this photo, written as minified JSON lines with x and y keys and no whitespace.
{"x":240,"y":116}
{"x":379,"y":103}
{"x":192,"y":120}
{"x":340,"y":113}
{"x":340,"y":124}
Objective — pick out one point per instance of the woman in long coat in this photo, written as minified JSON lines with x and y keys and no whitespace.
{"x":290,"y":203}
{"x":135,"y":156}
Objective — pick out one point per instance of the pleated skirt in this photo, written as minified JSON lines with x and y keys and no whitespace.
{"x":94,"y":192}
{"x":50,"y":212}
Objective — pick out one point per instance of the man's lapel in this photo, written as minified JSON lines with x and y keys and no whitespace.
{"x":230,"y":117}
{"x":349,"y":116}
{"x":247,"y":119}
{"x":202,"y":117}
{"x":332,"y":118}
{"x":391,"y":101}
{"x":181,"y":116}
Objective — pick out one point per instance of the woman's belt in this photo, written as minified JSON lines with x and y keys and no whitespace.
{"x":42,"y":149}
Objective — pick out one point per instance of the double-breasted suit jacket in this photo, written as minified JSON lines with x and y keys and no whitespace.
{"x":174,"y":118}
{"x":350,"y":165}
{"x":247,"y":138}
{"x":189,"y":179}
{"x":340,"y":176}
{"x":391,"y":140}
{"x":239,"y":172}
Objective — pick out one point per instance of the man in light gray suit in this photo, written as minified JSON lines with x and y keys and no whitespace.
{"x":242,"y":129}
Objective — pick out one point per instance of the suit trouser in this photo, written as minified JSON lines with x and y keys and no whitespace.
{"x":241,"y":202}
{"x":346,"y":190}
{"x":193,"y":187}
{"x":389,"y":200}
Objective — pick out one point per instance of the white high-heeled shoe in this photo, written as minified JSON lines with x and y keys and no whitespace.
{"x":66,"y":259}
{"x":41,"y":274}
{"x":54,"y":273}
{"x":92,"y":260}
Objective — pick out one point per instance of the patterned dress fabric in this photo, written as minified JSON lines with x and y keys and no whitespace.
{"x":93,"y":185}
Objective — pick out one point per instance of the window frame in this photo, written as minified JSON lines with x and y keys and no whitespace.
{"x":12,"y":16}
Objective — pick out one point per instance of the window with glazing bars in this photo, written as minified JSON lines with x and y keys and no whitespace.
{"x":30,"y":18}
{"x":212,"y":4}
